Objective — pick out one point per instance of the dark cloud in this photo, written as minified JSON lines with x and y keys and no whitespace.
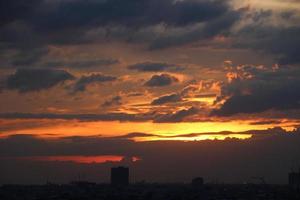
{"x":161,"y":80}
{"x":255,"y":134}
{"x":36,"y":24}
{"x":154,"y":67}
{"x":122,"y":117}
{"x":134,"y":135}
{"x":177,"y":116}
{"x":11,"y":11}
{"x":26,"y":80}
{"x":264,"y":122}
{"x":256,"y":90}
{"x":82,"y":64}
{"x":70,"y":22}
{"x":135,"y":94}
{"x":286,"y":45}
{"x":115,"y":101}
{"x":73,"y":14}
{"x":264,"y":36}
{"x":29,"y":58}
{"x":84,"y":81}
{"x":220,"y":26}
{"x":166,"y":99}
{"x":156,"y":158}
{"x":82,"y":117}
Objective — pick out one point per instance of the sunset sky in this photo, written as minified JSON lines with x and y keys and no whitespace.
{"x":209,"y":87}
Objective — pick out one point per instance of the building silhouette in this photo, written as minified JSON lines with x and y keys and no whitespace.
{"x":119,"y":176}
{"x":294,"y":180}
{"x":198,"y":181}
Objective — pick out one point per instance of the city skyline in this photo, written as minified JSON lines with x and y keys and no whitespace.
{"x":175,"y":89}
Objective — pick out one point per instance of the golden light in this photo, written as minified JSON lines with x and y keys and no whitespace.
{"x":66,"y":128}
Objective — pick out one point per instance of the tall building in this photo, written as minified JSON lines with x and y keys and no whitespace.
{"x":294,"y":180}
{"x":119,"y":176}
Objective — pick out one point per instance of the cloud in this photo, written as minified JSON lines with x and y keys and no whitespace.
{"x":29,"y":58}
{"x":255,"y":134}
{"x":132,"y":13}
{"x":16,"y":10}
{"x":203,"y":88}
{"x":38,"y":24}
{"x":166,"y":99}
{"x":71,"y":22}
{"x":115,"y":101}
{"x":266,"y":122}
{"x":84,"y":81}
{"x":177,"y":116}
{"x":82,"y":117}
{"x":161,"y":80}
{"x":27,"y":80}
{"x":286,"y":45}
{"x":156,"y":157}
{"x":134,"y":135}
{"x":82,"y":64}
{"x":200,"y":33}
{"x":255,"y":89}
{"x":153,"y":67}
{"x":264,"y":35}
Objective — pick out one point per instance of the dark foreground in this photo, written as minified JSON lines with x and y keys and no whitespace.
{"x":90,"y":191}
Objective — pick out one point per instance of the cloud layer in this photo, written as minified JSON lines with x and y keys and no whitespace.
{"x":26,"y":80}
{"x":255,"y":89}
{"x":209,"y":158}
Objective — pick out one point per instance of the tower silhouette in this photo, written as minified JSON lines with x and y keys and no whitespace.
{"x":119,"y":176}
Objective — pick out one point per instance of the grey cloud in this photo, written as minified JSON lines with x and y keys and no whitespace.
{"x":67,"y":22}
{"x":154,"y":67}
{"x":177,"y":116}
{"x":39,"y":23}
{"x":84,"y":81}
{"x":82,"y":64}
{"x":264,"y":122}
{"x":267,"y":89}
{"x":134,"y":135}
{"x":122,"y":117}
{"x":70,"y":14}
{"x":115,"y":101}
{"x":16,"y":10}
{"x":82,"y":117}
{"x":286,"y":44}
{"x":29,"y":57}
{"x":166,"y":99}
{"x":161,"y":80}
{"x":198,"y":32}
{"x":135,"y":94}
{"x":26,"y":80}
{"x":280,"y":41}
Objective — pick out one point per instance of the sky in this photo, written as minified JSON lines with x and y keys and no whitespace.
{"x":174,"y":89}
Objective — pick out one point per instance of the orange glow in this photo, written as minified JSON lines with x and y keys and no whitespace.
{"x":135,"y":159}
{"x":65,"y":128}
{"x":198,"y":138}
{"x":78,"y":159}
{"x":231,"y":76}
{"x":207,"y":100}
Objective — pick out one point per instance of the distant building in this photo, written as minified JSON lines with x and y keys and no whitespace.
{"x":294,"y":180}
{"x":197,"y":181}
{"x":119,"y":176}
{"x":82,"y":183}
